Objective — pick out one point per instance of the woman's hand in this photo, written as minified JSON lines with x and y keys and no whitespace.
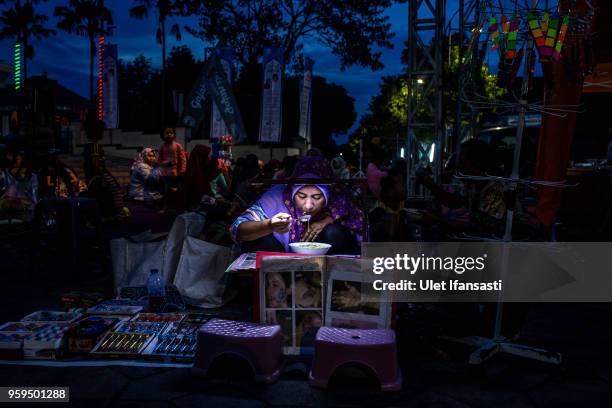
{"x":315,"y":229}
{"x":280,"y":223}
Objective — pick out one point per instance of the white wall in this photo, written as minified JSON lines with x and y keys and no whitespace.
{"x":131,"y":141}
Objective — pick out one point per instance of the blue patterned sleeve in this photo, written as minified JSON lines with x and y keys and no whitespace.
{"x":254,"y":213}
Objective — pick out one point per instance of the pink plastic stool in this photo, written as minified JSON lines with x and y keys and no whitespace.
{"x":375,"y":349}
{"x":258,"y":344}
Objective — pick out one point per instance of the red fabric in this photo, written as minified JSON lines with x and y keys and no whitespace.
{"x":197,"y":178}
{"x":563,"y":86}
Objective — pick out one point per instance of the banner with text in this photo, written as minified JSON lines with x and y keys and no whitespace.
{"x":306,"y":101}
{"x":217,"y":124}
{"x":270,"y":125}
{"x":220,"y":90}
{"x":196,"y":101}
{"x":488,"y":271}
{"x":110,"y":98}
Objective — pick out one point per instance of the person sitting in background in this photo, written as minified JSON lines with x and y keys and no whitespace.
{"x":314,"y":152}
{"x":286,"y":168}
{"x":103,"y":186}
{"x":385,"y":220}
{"x":196,"y":184}
{"x":478,"y":206}
{"x":56,"y":179}
{"x":173,"y":162}
{"x":270,"y":169}
{"x":145,"y":179}
{"x":374,"y":170}
{"x":274,"y":220}
{"x":339,"y":167}
{"x":218,"y":181}
{"x":19,"y":191}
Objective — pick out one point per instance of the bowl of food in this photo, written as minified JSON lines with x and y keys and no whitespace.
{"x":309,"y":248}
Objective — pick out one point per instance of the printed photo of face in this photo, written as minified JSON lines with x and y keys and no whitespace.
{"x":278,"y":290}
{"x":307,"y":324}
{"x":307,"y":290}
{"x":284,"y":319}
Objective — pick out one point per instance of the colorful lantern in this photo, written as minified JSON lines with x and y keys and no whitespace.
{"x":511,"y":38}
{"x":561,"y":38}
{"x":494,"y":31}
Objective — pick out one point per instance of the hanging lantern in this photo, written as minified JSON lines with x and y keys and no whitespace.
{"x":494,"y":32}
{"x":505,"y":24}
{"x":512,"y":38}
{"x":545,"y":22}
{"x":561,"y":38}
{"x":535,"y":29}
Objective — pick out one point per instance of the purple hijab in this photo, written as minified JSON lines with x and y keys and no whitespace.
{"x":339,"y":203}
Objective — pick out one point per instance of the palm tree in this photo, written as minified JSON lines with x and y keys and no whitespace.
{"x":21,"y":22}
{"x":87,"y":18}
{"x":164,"y":10}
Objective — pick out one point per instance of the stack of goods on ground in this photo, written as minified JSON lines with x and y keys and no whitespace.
{"x":117,"y":328}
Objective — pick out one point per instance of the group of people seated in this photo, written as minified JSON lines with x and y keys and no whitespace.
{"x":270,"y":216}
{"x":26,"y":179}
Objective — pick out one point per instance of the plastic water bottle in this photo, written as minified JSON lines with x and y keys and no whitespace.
{"x":157,"y":291}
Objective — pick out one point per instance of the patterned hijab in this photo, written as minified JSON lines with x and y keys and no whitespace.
{"x":339,"y":204}
{"x":142,"y":157}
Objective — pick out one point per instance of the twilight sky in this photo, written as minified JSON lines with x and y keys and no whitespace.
{"x":65,"y":57}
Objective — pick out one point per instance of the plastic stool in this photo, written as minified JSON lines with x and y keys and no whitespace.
{"x":259,"y":344}
{"x":375,"y":349}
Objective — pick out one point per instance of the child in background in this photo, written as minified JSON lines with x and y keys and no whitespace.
{"x":172,"y":161}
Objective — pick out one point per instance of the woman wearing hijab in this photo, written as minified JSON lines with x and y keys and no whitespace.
{"x":339,"y":167}
{"x":273,"y":221}
{"x":145,"y":181}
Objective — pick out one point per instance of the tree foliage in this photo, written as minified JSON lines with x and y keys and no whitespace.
{"x":22,"y":23}
{"x":163,"y":9}
{"x":87,"y":18}
{"x":139,"y":93}
{"x":387,"y":115}
{"x":140,"y":89}
{"x":352,"y":30}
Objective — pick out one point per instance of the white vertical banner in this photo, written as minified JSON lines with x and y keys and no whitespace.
{"x":218,"y":127}
{"x":306,"y":101}
{"x":110,"y":98}
{"x":270,"y":125}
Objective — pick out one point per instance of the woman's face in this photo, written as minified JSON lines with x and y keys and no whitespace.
{"x":150,"y":158}
{"x":276,"y":290}
{"x":309,"y":200}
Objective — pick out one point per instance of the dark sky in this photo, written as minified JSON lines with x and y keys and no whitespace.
{"x":65,"y":57}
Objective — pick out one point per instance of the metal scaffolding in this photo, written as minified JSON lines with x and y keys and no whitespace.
{"x":470,"y":19}
{"x":425,"y":92}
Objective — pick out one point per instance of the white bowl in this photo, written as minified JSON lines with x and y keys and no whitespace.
{"x":309,"y":248}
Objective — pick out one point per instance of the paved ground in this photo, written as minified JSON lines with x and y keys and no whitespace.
{"x":31,"y":279}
